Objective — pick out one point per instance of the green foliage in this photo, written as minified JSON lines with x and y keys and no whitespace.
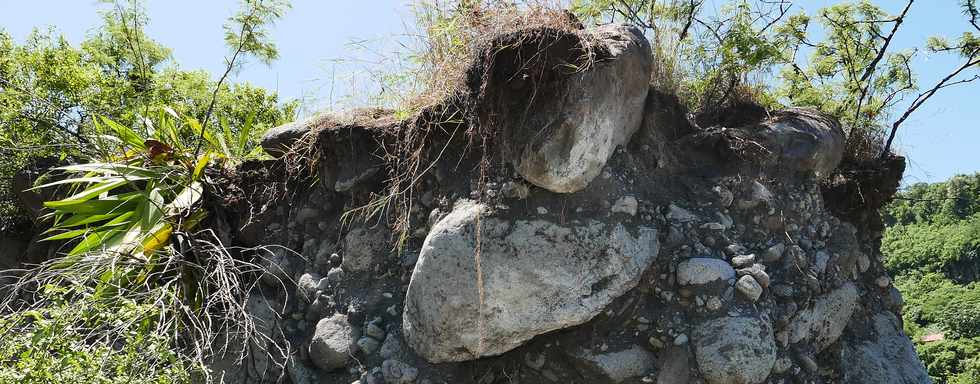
{"x":247,"y":31}
{"x":935,"y":228}
{"x":130,"y":202}
{"x":947,"y":202}
{"x":51,"y":91}
{"x":961,"y":316}
{"x":952,"y":361}
{"x":833,"y":79}
{"x":764,"y":53}
{"x":60,"y":343}
{"x":138,"y":294}
{"x":710,"y":59}
{"x":142,"y":283}
{"x":953,"y":249}
{"x":929,"y":305}
{"x":931,"y":245}
{"x":935,"y":304}
{"x":129,"y":218}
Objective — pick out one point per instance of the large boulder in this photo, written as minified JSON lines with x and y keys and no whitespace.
{"x":824,"y":322}
{"x":277,"y":141}
{"x":890,"y":359}
{"x":734,"y":350}
{"x":471,"y":298}
{"x":562,"y":128}
{"x":804,"y":139}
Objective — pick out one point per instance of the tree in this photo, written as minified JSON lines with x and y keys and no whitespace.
{"x":850,"y":69}
{"x":50,"y":91}
{"x":932,"y":247}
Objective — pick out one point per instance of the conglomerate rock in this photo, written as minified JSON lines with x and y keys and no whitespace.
{"x":592,"y":232}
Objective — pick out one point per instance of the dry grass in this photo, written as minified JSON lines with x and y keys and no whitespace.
{"x":200,"y":299}
{"x":453,"y":33}
{"x":457,"y":45}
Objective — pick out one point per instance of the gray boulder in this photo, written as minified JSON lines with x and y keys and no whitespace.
{"x":824,"y":322}
{"x":278,"y":140}
{"x":890,"y":359}
{"x":616,"y":366}
{"x":703,"y":270}
{"x":598,"y":109}
{"x":749,"y":287}
{"x":332,"y":339}
{"x":804,"y":139}
{"x":734,"y":350}
{"x":307,"y":285}
{"x":526,"y":278}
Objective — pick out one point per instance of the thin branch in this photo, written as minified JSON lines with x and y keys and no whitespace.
{"x":136,"y":45}
{"x":713,"y":30}
{"x":923,"y":97}
{"x":246,"y":28}
{"x":783,"y":10}
{"x":971,"y":9}
{"x":863,"y":83}
{"x":887,"y":101}
{"x":692,"y":10}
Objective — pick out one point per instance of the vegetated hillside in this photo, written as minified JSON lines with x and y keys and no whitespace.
{"x":932,"y":247}
{"x":564,"y":200}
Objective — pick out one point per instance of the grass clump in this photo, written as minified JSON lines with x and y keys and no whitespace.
{"x":464,"y":51}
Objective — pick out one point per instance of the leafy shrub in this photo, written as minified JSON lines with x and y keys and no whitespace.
{"x":932,"y":244}
{"x":79,"y":338}
{"x":952,"y":361}
{"x":139,"y":286}
{"x":947,"y":202}
{"x":952,"y":249}
{"x":961,"y":315}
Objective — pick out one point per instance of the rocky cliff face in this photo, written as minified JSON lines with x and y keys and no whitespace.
{"x":566,"y":227}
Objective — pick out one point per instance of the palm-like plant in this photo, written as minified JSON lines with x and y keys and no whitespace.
{"x":131,"y":220}
{"x":132,"y":200}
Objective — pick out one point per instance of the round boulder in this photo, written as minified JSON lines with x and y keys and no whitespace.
{"x":734,"y":350}
{"x":330,"y":347}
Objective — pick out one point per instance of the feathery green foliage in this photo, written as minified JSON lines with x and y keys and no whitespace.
{"x":932,"y":246}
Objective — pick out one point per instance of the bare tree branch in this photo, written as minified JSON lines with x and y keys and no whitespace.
{"x":691,"y":11}
{"x":230,"y":66}
{"x":888,"y":40}
{"x":923,"y":97}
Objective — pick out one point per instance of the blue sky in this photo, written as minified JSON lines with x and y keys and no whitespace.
{"x":940,"y":140}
